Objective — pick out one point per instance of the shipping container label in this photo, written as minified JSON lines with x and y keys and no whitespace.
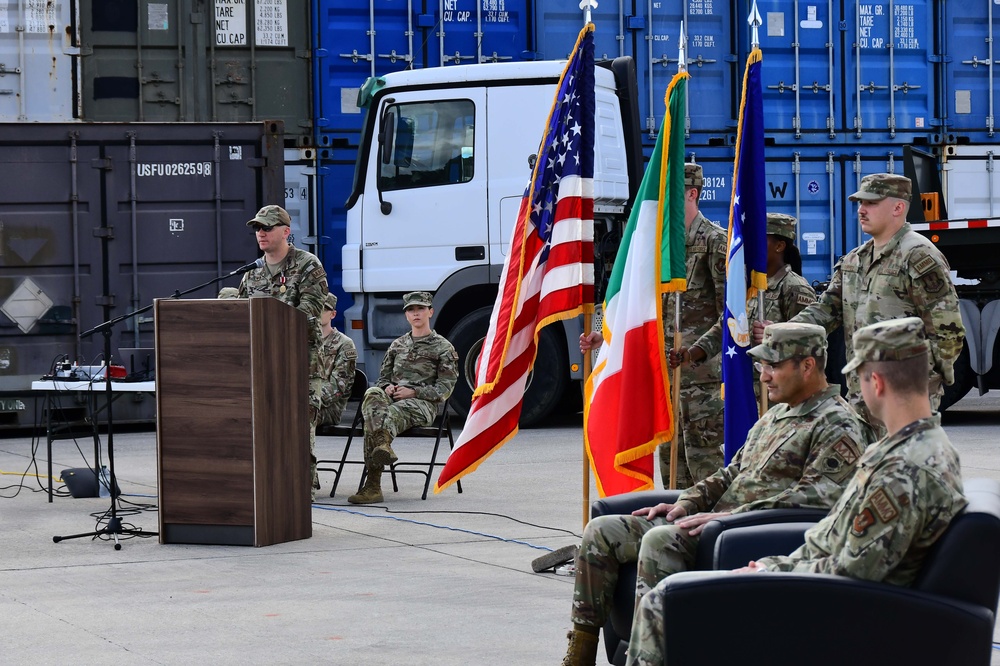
{"x":492,"y":11}
{"x":174,"y":169}
{"x":39,"y":17}
{"x":701,"y":7}
{"x":230,"y":23}
{"x":270,"y":23}
{"x":158,"y":17}
{"x":904,"y":33}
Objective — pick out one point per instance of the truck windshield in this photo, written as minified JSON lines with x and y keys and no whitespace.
{"x":427,"y":143}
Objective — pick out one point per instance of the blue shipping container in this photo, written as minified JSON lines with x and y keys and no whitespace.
{"x":970,"y":74}
{"x":356,"y":39}
{"x":889,"y":77}
{"x":800,"y":83}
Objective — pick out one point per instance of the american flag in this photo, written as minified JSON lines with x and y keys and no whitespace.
{"x":549,"y":272}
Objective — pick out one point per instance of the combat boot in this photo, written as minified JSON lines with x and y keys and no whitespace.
{"x":582,"y":650}
{"x":383,"y":454}
{"x":371,"y":492}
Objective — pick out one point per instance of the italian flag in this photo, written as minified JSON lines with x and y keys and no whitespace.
{"x":627,"y":409}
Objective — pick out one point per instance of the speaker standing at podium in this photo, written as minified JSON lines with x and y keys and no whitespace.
{"x":291,"y":275}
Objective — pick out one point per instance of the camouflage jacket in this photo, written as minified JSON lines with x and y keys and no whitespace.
{"x":908,"y":277}
{"x":332,"y":376}
{"x":300,"y":282}
{"x":788,"y":293}
{"x":907,"y":489}
{"x":428,"y":364}
{"x":795,"y":457}
{"x":702,"y":303}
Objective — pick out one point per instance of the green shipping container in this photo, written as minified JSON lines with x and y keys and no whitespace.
{"x":197,"y":61}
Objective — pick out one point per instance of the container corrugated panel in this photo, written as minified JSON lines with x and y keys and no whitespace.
{"x":336,"y":169}
{"x":300,"y":196}
{"x":890,"y":88}
{"x":800,"y":74}
{"x":843,"y":71}
{"x":194,"y":61}
{"x":172,"y":202}
{"x":811,"y":183}
{"x":467,"y":32}
{"x":557,"y":25}
{"x":356,"y":39}
{"x":972,"y":76}
{"x":37,"y":67}
{"x":711,"y":57}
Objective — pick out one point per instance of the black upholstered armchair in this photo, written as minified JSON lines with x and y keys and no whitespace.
{"x":616,"y":631}
{"x":946,"y":618}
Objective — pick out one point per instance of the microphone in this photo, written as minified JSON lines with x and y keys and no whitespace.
{"x":259,"y":263}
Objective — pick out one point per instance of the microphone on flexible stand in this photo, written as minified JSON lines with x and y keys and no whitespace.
{"x":259,"y":263}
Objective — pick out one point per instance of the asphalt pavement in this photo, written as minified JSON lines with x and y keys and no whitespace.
{"x":443,"y":581}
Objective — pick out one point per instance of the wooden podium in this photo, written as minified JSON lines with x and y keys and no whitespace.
{"x":232,"y":426}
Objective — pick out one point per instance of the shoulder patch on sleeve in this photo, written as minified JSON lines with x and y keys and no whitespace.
{"x":884,"y":506}
{"x":805,"y":299}
{"x":924,"y":264}
{"x":862,"y":522}
{"x":847,"y":449}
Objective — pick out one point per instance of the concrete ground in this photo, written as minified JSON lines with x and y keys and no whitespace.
{"x":442,"y":581}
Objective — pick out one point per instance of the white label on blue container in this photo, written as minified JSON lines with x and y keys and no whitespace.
{"x":271,"y":22}
{"x":811,"y":239}
{"x":230,"y":23}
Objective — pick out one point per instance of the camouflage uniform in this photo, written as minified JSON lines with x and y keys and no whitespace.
{"x":331,"y":382}
{"x":905,"y":492}
{"x":700,"y":439}
{"x":788,"y":293}
{"x":906,"y":277}
{"x":799,"y":456}
{"x":300,"y":281}
{"x":427,"y":364}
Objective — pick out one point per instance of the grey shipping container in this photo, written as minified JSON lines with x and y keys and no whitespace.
{"x":300,"y":196}
{"x":98,"y":219}
{"x":38,"y":49}
{"x":197,"y":61}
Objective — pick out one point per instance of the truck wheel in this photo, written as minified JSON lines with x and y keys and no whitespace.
{"x":965,"y":379}
{"x":546,"y":384}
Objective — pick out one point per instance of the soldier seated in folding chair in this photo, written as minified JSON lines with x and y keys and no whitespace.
{"x":330,"y":379}
{"x":418,"y":373}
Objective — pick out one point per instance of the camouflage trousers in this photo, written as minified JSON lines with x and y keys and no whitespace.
{"x":699,"y":443}
{"x":645,"y":645}
{"x":382,"y":414}
{"x":660,"y":549}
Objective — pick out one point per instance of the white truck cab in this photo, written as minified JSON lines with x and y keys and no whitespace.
{"x":444,"y":158}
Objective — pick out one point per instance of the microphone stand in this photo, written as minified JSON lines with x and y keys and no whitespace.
{"x":114,"y":528}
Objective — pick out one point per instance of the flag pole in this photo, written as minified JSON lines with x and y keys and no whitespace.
{"x":678,"y":338}
{"x":587,"y":363}
{"x":586,"y":6}
{"x":755,"y":22}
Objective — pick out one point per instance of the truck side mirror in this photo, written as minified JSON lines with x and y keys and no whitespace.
{"x":386,"y":134}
